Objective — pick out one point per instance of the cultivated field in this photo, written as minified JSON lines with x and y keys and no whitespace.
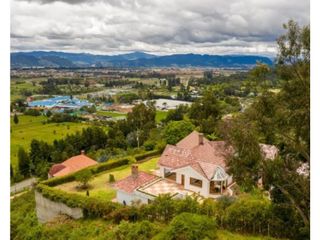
{"x":30,"y":127}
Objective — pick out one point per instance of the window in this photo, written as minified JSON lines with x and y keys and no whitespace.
{"x":195,"y":182}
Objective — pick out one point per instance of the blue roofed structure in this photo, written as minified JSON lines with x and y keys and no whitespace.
{"x":62,"y":102}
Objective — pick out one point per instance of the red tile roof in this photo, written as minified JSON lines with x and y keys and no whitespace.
{"x":203,"y":158}
{"x":191,"y":141}
{"x":71,"y":165}
{"x":130,"y":183}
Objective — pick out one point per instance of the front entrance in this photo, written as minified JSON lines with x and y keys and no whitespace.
{"x":182,"y":179}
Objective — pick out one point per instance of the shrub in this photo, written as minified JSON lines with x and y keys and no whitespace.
{"x":135,"y":231}
{"x":32,"y":112}
{"x":248,"y":214}
{"x":142,"y":156}
{"x":188,"y":226}
{"x":111,"y":178}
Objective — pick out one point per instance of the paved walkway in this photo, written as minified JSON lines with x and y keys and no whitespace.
{"x":22,"y":185}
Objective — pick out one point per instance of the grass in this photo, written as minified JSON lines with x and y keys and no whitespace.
{"x":160,"y":115}
{"x":17,"y":89}
{"x":101,"y":188}
{"x":110,"y":114}
{"x":30,"y":127}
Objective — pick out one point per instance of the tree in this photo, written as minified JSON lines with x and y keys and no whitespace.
{"x":283,"y":120}
{"x":84,"y":177}
{"x":176,"y":130}
{"x":244,"y":162}
{"x":176,"y":114}
{"x":205,"y":112}
{"x":11,"y":172}
{"x":49,"y":113}
{"x":164,"y":207}
{"x":23,"y":162}
{"x":15,"y":119}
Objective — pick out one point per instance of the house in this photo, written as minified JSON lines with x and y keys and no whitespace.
{"x":71,"y":165}
{"x":145,"y":187}
{"x":200,"y":165}
{"x":193,"y":165}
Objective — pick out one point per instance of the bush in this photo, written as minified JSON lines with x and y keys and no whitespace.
{"x":111,"y":178}
{"x":135,"y":231}
{"x":92,"y":207}
{"x":32,"y":112}
{"x":248,"y":214}
{"x":188,"y":226}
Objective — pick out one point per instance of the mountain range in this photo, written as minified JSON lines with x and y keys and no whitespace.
{"x":53,"y":59}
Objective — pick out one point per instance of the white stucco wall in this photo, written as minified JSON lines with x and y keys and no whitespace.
{"x":130,"y":197}
{"x":189,"y":172}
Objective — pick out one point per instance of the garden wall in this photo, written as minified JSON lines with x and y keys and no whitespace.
{"x":48,"y":210}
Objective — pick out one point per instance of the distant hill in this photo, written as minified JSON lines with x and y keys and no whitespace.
{"x":135,"y":59}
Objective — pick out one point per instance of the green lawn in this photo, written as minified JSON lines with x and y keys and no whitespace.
{"x":110,"y":114}
{"x":30,"y":127}
{"x":100,"y":187}
{"x":160,"y":115}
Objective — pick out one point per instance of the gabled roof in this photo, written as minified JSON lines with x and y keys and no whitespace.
{"x":208,"y":158}
{"x":130,"y":183}
{"x":71,"y":165}
{"x":191,"y":141}
{"x":173,"y":156}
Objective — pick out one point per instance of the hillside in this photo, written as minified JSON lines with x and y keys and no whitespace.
{"x":40,"y":59}
{"x":24,"y":225}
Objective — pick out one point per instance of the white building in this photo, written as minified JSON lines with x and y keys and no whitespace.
{"x":194,"y":165}
{"x":167,"y":104}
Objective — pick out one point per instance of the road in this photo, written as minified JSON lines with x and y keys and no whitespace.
{"x":22,"y":185}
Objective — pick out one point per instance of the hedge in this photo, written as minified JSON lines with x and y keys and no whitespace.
{"x":92,"y":207}
{"x":142,"y":156}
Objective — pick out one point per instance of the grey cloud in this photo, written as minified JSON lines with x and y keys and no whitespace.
{"x":164,"y":26}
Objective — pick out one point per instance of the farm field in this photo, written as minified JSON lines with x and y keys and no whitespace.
{"x":17,"y":89}
{"x":101,"y":188}
{"x":110,"y":114}
{"x":30,"y":127}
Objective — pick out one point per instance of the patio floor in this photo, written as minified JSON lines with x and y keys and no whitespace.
{"x":163,"y":186}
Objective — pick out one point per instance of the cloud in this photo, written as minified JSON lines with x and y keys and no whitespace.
{"x":158,"y":26}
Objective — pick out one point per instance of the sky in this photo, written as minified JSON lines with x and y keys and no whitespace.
{"x":155,"y":26}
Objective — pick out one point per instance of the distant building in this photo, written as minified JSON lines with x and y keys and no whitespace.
{"x":60,"y":102}
{"x":71,"y":165}
{"x":167,"y":104}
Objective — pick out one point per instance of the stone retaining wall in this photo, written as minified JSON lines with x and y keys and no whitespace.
{"x":48,"y":210}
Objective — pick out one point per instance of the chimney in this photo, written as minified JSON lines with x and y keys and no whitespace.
{"x":134,"y":170}
{"x":82,"y":152}
{"x":200,"y":138}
